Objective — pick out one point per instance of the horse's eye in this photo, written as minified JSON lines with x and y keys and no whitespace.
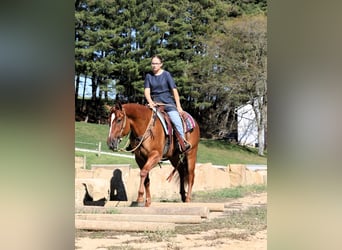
{"x":118,"y":121}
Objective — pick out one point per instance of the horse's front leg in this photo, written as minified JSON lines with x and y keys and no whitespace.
{"x":152,"y":160}
{"x":147,"y":189}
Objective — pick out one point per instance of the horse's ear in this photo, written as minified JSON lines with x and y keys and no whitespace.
{"x":118,"y":106}
{"x":107,"y":108}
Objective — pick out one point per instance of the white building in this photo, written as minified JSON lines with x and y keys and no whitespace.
{"x":247,"y":129}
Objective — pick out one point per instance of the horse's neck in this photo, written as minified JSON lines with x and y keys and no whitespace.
{"x":139,"y":119}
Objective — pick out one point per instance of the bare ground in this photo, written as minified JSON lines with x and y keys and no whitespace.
{"x":186,"y":237}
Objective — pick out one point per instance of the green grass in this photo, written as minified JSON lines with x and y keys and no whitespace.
{"x":217,"y":152}
{"x":220,"y":152}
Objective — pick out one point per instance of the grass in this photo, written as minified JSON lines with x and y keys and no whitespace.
{"x":217,"y":152}
{"x":159,"y":236}
{"x":220,"y":152}
{"x":227,"y":193}
{"x":249,"y":221}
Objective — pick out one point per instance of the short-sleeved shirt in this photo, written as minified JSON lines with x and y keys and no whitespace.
{"x":161,"y":87}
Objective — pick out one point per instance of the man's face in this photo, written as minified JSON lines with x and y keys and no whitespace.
{"x":156,"y":64}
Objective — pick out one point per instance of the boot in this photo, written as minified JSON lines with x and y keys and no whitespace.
{"x":185,"y":146}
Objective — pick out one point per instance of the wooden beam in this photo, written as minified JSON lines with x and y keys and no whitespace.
{"x":123,"y":226}
{"x":178,"y":219}
{"x":213,"y":206}
{"x":201,"y":211}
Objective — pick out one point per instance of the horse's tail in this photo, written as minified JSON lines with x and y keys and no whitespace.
{"x":182,"y":168}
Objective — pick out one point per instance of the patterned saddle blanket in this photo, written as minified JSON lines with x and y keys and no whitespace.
{"x":188,"y":122}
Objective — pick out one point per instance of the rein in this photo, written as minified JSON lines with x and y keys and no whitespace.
{"x":144,"y":136}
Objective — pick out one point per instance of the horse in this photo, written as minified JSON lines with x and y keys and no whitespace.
{"x":151,"y":145}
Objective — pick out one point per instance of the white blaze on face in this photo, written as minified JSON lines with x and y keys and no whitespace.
{"x":111,"y":123}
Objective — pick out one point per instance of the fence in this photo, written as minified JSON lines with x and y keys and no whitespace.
{"x":96,"y":149}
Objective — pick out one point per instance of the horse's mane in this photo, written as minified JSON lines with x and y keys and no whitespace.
{"x":137,"y":109}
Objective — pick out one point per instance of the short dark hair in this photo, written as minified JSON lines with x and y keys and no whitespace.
{"x":157,"y":56}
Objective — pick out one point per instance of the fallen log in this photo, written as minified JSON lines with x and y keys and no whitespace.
{"x":98,"y":225}
{"x":112,"y":204}
{"x":201,"y":211}
{"x":213,"y":207}
{"x":178,"y":219}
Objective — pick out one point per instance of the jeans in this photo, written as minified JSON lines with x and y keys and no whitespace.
{"x":177,"y":121}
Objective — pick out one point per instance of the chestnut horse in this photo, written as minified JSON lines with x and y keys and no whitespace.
{"x":148,"y":141}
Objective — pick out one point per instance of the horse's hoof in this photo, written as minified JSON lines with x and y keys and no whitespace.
{"x":137,"y":204}
{"x":140,"y":204}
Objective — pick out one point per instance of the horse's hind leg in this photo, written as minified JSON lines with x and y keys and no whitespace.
{"x":181,"y":183}
{"x":191,"y":173}
{"x":178,"y":165}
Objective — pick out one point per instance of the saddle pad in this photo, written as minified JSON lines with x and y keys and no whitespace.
{"x":188,"y":121}
{"x":162,"y":120}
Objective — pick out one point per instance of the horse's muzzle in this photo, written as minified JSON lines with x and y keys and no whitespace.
{"x":113,"y":144}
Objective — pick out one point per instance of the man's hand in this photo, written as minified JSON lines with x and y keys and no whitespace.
{"x":180,"y":110}
{"x":152,"y":104}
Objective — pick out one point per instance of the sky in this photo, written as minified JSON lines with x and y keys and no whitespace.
{"x":111,"y":94}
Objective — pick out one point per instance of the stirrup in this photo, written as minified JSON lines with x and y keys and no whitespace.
{"x":187,"y":147}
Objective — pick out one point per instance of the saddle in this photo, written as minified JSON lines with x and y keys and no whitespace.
{"x":187,"y":120}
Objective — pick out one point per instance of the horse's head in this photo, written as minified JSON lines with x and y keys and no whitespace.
{"x":117,"y":126}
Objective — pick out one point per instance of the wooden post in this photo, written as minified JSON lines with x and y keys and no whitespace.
{"x":99,"y":154}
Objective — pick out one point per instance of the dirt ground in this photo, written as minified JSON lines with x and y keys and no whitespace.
{"x":205,"y":240}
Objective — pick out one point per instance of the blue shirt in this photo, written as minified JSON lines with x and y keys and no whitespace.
{"x":161,"y":87}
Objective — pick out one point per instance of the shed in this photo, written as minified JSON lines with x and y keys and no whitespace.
{"x":247,"y":129}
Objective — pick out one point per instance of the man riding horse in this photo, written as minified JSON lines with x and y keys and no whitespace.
{"x":161,"y":88}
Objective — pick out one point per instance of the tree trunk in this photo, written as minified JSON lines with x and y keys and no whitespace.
{"x":93,"y":88}
{"x":83,"y":95}
{"x":257,"y":105}
{"x":76,"y":91}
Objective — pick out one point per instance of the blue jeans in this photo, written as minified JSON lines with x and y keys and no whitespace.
{"x":177,"y":121}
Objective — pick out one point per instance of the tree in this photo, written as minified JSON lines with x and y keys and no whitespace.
{"x":234,"y":73}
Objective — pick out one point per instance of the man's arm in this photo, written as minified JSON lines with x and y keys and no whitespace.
{"x":177,"y":100}
{"x":147,"y":93}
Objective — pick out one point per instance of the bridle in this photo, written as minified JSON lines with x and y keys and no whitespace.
{"x":143,"y":137}
{"x":123,"y":124}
